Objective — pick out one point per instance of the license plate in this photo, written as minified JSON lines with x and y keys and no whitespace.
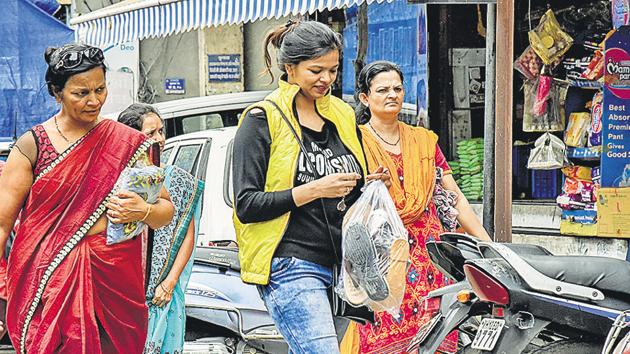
{"x":488,"y":334}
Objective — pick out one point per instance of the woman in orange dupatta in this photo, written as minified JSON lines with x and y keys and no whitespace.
{"x":412,"y":157}
{"x":68,"y":291}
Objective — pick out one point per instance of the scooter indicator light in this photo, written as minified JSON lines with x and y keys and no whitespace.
{"x":464,"y":296}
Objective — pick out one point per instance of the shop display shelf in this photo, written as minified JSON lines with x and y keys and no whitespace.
{"x":585,"y":153}
{"x":585,"y":84}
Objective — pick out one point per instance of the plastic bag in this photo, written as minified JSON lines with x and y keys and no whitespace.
{"x":548,"y":40}
{"x":543,"y":113}
{"x":375,"y":252}
{"x":146,"y":182}
{"x":549,"y":153}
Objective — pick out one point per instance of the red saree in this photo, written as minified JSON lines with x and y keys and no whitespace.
{"x":68,"y":292}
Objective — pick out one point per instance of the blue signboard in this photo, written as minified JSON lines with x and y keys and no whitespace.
{"x":224,"y":68}
{"x":175,"y":86}
{"x":616,"y":117}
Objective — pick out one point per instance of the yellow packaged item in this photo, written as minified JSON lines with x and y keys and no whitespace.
{"x":548,"y":40}
{"x":582,"y":173}
{"x":577,"y":129}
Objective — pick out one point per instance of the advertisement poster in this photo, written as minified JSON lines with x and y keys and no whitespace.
{"x":123,"y":66}
{"x":615,"y":168}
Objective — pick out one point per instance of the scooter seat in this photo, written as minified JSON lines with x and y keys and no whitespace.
{"x":610,"y":275}
{"x":219,"y":256}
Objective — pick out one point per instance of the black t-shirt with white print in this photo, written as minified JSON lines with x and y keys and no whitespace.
{"x":307,"y":235}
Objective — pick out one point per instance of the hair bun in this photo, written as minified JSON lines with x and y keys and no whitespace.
{"x":48,"y":54}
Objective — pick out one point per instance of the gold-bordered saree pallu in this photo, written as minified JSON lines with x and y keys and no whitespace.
{"x":69,"y":292}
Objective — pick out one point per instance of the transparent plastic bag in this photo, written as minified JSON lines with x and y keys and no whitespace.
{"x":544,"y":112}
{"x":549,"y":153}
{"x":146,"y":182}
{"x":375,"y":252}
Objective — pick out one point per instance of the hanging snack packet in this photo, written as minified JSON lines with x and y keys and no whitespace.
{"x":595,"y":132}
{"x":549,"y":153}
{"x":528,"y":64}
{"x":548,"y":40}
{"x":146,"y":182}
{"x":577,"y":129}
{"x":595,"y":68}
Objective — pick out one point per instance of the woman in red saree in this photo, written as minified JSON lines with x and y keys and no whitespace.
{"x":69,"y":292}
{"x":414,"y":160}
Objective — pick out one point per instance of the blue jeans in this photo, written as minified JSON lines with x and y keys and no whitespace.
{"x":297,"y":300}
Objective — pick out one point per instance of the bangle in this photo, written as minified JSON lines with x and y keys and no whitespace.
{"x":165,"y":290}
{"x":147,"y":214}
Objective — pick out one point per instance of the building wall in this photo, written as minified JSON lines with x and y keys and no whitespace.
{"x":171,"y":57}
{"x":254,"y":35}
{"x":222,"y":40}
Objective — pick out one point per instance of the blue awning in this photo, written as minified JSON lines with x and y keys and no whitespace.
{"x":138,"y":19}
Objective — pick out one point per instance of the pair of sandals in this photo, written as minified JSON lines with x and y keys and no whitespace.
{"x":364,"y":261}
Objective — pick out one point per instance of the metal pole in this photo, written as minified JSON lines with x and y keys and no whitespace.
{"x":488,"y":150}
{"x":503,"y":121}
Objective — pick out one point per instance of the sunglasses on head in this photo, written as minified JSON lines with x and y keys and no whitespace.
{"x":74,"y":58}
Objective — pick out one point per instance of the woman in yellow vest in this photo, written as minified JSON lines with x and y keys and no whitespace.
{"x":427,"y":199}
{"x":289,"y":207}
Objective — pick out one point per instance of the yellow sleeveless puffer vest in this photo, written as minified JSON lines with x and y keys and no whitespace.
{"x":258,"y":241}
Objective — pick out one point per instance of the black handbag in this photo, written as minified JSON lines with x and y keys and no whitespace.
{"x":339,"y":307}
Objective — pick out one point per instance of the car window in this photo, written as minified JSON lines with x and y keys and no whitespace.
{"x":201,"y":122}
{"x":166,"y":154}
{"x":187,"y":157}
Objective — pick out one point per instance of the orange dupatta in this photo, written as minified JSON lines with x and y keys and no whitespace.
{"x":418,"y":150}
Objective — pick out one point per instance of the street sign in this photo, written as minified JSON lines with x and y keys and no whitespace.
{"x":224,"y":68}
{"x":175,"y":86}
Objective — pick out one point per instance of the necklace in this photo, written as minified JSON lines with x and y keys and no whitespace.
{"x":380,"y":137}
{"x":59,"y":131}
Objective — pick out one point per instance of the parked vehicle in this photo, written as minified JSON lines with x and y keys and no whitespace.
{"x":189,"y":115}
{"x":522,"y":299}
{"x":225,"y":315}
{"x":207,"y":155}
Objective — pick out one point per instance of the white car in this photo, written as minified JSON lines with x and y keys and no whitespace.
{"x":189,"y":115}
{"x":207,"y":155}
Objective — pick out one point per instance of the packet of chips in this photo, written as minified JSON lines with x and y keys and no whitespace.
{"x":548,"y":40}
{"x":528,"y":64}
{"x":597,"y":110}
{"x":146,"y":182}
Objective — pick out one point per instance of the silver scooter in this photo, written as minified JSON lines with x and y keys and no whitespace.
{"x":223,"y":314}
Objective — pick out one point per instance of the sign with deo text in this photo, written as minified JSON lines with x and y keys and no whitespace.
{"x":224,"y":68}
